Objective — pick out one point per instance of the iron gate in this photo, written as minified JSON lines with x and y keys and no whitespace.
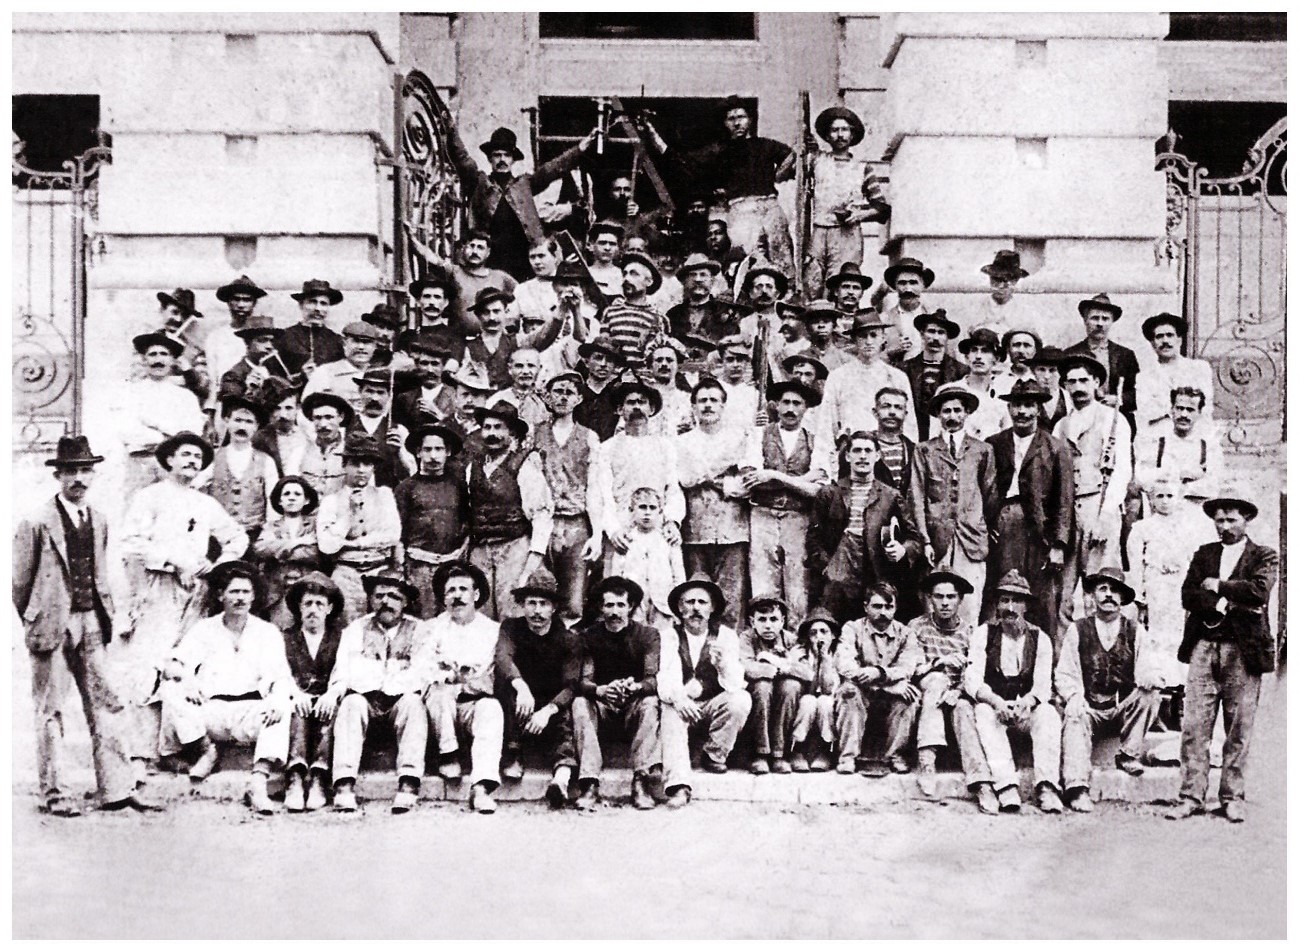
{"x":51,"y":251}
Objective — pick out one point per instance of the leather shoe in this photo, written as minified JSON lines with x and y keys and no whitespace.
{"x":1183,"y":809}
{"x":1048,"y":801}
{"x":133,"y":802}
{"x":798,"y":763}
{"x":845,"y":766}
{"x":588,"y":796}
{"x":875,"y":769}
{"x":760,"y":766}
{"x":480,"y":799}
{"x":62,"y":806}
{"x":780,"y":765}
{"x":987,"y":800}
{"x":407,"y":796}
{"x":257,"y":797}
{"x":821,"y":763}
{"x":678,"y":797}
{"x":1234,"y":811}
{"x":345,"y":799}
{"x":295,"y":793}
{"x":315,"y":791}
{"x":1129,"y":765}
{"x":640,"y":795}
{"x":899,"y":764}
{"x":1008,"y":800}
{"x":712,"y":766}
{"x":1081,"y":801}
{"x":513,"y":770}
{"x":208,"y":756}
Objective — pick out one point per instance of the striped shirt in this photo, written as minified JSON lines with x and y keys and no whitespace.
{"x":948,"y":646}
{"x":855,"y":521}
{"x":893,"y":456}
{"x":632,"y":326}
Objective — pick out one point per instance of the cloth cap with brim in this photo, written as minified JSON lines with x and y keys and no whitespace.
{"x":315,"y":287}
{"x":867,"y":320}
{"x":763,"y":602}
{"x":735,"y":343}
{"x":322,"y":398}
{"x":953,"y":391}
{"x":394,"y":579}
{"x":221,"y":574}
{"x":902,"y":265}
{"x":230,"y":402}
{"x":1026,"y":390}
{"x":645,"y":261}
{"x":73,"y":451}
{"x":507,"y":413}
{"x":699,"y":262}
{"x":815,"y":615}
{"x":320,"y":583}
{"x":935,"y":578}
{"x":1047,"y":357}
{"x":605,"y":345}
{"x":540,"y":583}
{"x":793,"y":360}
{"x":571,"y":376}
{"x":1100,"y":302}
{"x":449,"y":436}
{"x":981,"y":336}
{"x":142,"y":343}
{"x":621,"y":391}
{"x":240,"y":285}
{"x":489,"y":295}
{"x":1150,"y":324}
{"x":471,"y":378}
{"x":778,"y":390}
{"x":433,"y":344}
{"x":182,"y":299}
{"x":184,"y":438}
{"x":374,"y":377}
{"x":847,"y":272}
{"x":1243,"y":506}
{"x":937,"y":318}
{"x":1012,"y":583}
{"x":1113,"y":576}
{"x":447,"y":570}
{"x":1005,"y":264}
{"x":616,"y":583}
{"x":502,"y":140}
{"x":782,"y":282}
{"x":1091,"y":364}
{"x":827,"y":118}
{"x":698,"y":580}
{"x":308,"y":490}
{"x":360,"y":330}
{"x":258,"y":325}
{"x":359,"y":446}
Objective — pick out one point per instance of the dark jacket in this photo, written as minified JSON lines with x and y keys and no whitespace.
{"x":1045,"y":484}
{"x":1247,"y":592}
{"x":950,"y":370}
{"x":718,"y":321}
{"x":830,"y":520}
{"x":1122,"y":364}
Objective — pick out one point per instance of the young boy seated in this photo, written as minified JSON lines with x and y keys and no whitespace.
{"x":650,"y":561}
{"x":775,"y":678}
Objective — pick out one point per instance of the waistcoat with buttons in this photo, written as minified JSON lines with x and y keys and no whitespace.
{"x":81,"y":562}
{"x":497,"y":503}
{"x":566,"y":467}
{"x":705,"y":672}
{"x":797,"y":464}
{"x":244,"y":498}
{"x":1107,"y":673}
{"x":1007,"y":686}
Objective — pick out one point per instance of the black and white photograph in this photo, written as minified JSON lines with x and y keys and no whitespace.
{"x":648,"y":475}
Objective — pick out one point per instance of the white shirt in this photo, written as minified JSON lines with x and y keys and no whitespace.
{"x":150,"y":411}
{"x":169,"y":523}
{"x":224,"y":663}
{"x":464,"y":653}
{"x":1230,"y":556}
{"x":1021,"y":451}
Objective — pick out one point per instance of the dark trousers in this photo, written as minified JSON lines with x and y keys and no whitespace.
{"x":775,"y":705}
{"x":556,"y":740}
{"x":728,"y":566}
{"x":639,"y":719}
{"x":1018,"y":549}
{"x":311,"y":743}
{"x":1217,"y":679}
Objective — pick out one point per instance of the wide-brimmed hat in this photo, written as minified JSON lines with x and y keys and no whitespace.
{"x":360,"y":330}
{"x":182,"y":299}
{"x":73,"y":451}
{"x":778,"y":390}
{"x":375,"y":377}
{"x":471,"y":377}
{"x":981,"y":335}
{"x":793,"y":360}
{"x":942,"y":575}
{"x":938,"y":318}
{"x":914,"y":265}
{"x":1150,"y":323}
{"x":323,"y":398}
{"x":1029,"y":390}
{"x":1010,"y":335}
{"x":502,"y":140}
{"x":697,"y":261}
{"x":768,"y":600}
{"x":486,"y":296}
{"x":183,"y":438}
{"x":221,"y":574}
{"x":953,"y":390}
{"x":698,"y":580}
{"x":363,"y":447}
{"x":459,"y":567}
{"x":1093,"y":366}
{"x":449,"y":436}
{"x":820,"y":308}
{"x":1114,"y":575}
{"x":635,"y":257}
{"x":763,"y":267}
{"x":1246,"y":508}
{"x":394,"y":578}
{"x":620,"y":391}
{"x":315,"y":580}
{"x":1012,"y":583}
{"x":541,"y":582}
{"x":258,"y":325}
{"x":1048,"y":356}
{"x":142,"y":343}
{"x":436,"y":277}
{"x":636,"y":594}
{"x":316,"y":286}
{"x":867,"y":320}
{"x":274,"y":390}
{"x":828,"y":116}
{"x":848,"y":271}
{"x":1005,"y":264}
{"x":815,"y":615}
{"x":383,"y":314}
{"x":737,"y":342}
{"x":240,"y":285}
{"x":232,"y":400}
{"x":308,"y":490}
{"x":604,"y":344}
{"x":507,"y":413}
{"x":430,"y":342}
{"x":1100,"y":302}
{"x":571,"y":270}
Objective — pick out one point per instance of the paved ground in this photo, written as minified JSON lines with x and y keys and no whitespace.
{"x":901,"y":869}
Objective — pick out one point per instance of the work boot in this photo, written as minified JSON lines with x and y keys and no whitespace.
{"x":407,"y":795}
{"x":760,"y":766}
{"x":927,"y":772}
{"x":588,"y":795}
{"x":315,"y":790}
{"x":345,"y":797}
{"x":821,"y":762}
{"x":1184,"y":809}
{"x":898,"y":764}
{"x":678,"y":797}
{"x":709,"y":765}
{"x":207,"y":760}
{"x":780,"y":765}
{"x":846,"y":765}
{"x":1234,"y":811}
{"x":875,"y":769}
{"x":1048,"y":801}
{"x":798,"y":762}
{"x":512,"y":768}
{"x":640,"y":795}
{"x":295,"y":793}
{"x":557,"y":789}
{"x":257,"y":797}
{"x":1008,"y":800}
{"x":59,"y":805}
{"x":480,"y":799}
{"x":449,"y":768}
{"x":986,"y":799}
{"x":1081,"y":801}
{"x":1128,"y":764}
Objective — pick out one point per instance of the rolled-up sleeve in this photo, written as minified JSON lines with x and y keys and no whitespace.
{"x":538,"y":504}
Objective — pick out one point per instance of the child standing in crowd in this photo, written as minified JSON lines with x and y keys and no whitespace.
{"x":650,"y":561}
{"x":290,"y":534}
{"x":813,"y":735}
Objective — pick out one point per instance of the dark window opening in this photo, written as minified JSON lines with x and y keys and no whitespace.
{"x":648,"y":26}
{"x":1219,"y":135}
{"x":51,"y":130}
{"x":1240,"y":27}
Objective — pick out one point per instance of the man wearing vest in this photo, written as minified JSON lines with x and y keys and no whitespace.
{"x":1183,"y":447}
{"x":1105,"y":676}
{"x":1009,"y":681}
{"x":933,"y":366}
{"x":567,"y":450}
{"x":433,"y":506}
{"x":241,"y":478}
{"x":701,"y":683}
{"x":60,"y":591}
{"x":1229,"y":646}
{"x":512,"y":507}
{"x":780,"y":500}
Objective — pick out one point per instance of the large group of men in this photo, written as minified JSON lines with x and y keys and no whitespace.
{"x":647,"y":491}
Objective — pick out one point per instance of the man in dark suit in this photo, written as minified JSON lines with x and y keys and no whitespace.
{"x":933,"y":366}
{"x":1035,"y":483}
{"x":1099,"y":314}
{"x":1229,"y":646}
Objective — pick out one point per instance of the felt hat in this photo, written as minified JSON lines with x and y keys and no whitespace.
{"x":470,"y":377}
{"x":258,"y":325}
{"x":768,"y":600}
{"x":1010,"y":335}
{"x":981,"y":335}
{"x":570,"y":270}
{"x":620,"y":391}
{"x":486,"y":296}
{"x":956,"y":390}
{"x":240,"y":285}
{"x":323,"y":398}
{"x":1114,"y":575}
{"x":867,"y":320}
{"x":727,"y":302}
{"x":734,"y":102}
{"x":763,"y":267}
{"x":604,"y":344}
{"x":815,"y":615}
{"x":316,"y":286}
{"x":541,"y":582}
{"x":392,"y":577}
{"x":1047,"y":356}
{"x":698,"y":580}
{"x":1092,"y":365}
{"x":848,"y":271}
{"x":942,"y":575}
{"x":183,"y":438}
{"x":375,"y":377}
{"x":308,"y":490}
{"x":73,"y":451}
{"x":1005,"y":264}
{"x":437,"y":277}
{"x":572,"y":376}
{"x":1247,"y":508}
{"x":384,"y":314}
{"x":778,"y":390}
{"x":275,"y":390}
{"x":1150,"y":323}
{"x":320,"y":583}
{"x":232,"y":400}
{"x":503,"y":140}
{"x":182,"y":299}
{"x":616,"y":583}
{"x":635,"y":257}
{"x":1012,"y":583}
{"x":938,"y":318}
{"x":914,"y":265}
{"x":360,"y":330}
{"x":449,"y":436}
{"x":142,"y":343}
{"x":459,"y":567}
{"x":221,"y":574}
{"x":362,"y":447}
{"x":507,"y":413}
{"x":1029,"y":390}
{"x":697,"y":261}
{"x":793,"y":360}
{"x":430,"y":342}
{"x":828,"y":116}
{"x":1100,"y":302}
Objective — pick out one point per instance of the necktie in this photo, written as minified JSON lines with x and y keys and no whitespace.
{"x":951,"y":441}
{"x":81,"y":519}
